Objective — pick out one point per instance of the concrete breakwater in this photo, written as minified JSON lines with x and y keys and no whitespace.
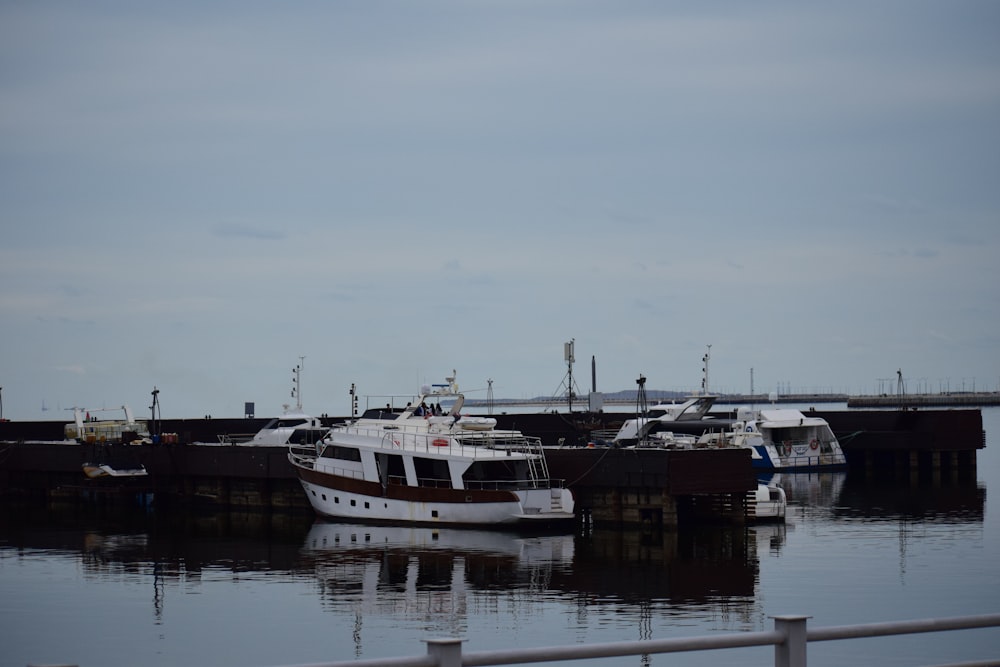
{"x":911,"y":401}
{"x":649,"y":487}
{"x":611,"y":486}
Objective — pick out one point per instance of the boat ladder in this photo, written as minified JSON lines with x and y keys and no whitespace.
{"x":537,"y":470}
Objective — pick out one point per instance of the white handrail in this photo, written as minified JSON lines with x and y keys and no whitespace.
{"x":789,"y":637}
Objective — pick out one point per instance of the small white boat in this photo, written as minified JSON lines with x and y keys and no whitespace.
{"x":788,"y":440}
{"x":398,"y":466}
{"x":98,"y":470}
{"x":766,"y":503}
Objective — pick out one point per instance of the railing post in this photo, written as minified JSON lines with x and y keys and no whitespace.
{"x":792,"y":651}
{"x":448,"y":652}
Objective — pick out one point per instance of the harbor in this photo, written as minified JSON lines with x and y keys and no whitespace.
{"x":194,"y":462}
{"x":181,"y":586}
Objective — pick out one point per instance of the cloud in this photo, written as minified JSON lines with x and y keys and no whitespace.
{"x":239,"y":230}
{"x":780,"y":181}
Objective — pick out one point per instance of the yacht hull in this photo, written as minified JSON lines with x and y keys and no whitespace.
{"x":768,"y":458}
{"x":338,"y":497}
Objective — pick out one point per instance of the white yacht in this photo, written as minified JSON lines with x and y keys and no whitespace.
{"x":788,"y":440}
{"x":293,"y":427}
{"x":408,"y":465}
{"x":678,"y":424}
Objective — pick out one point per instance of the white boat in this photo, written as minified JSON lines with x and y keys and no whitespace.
{"x":395,"y":465}
{"x":788,"y":440}
{"x":88,"y":429}
{"x":677,"y":423}
{"x":98,"y":470}
{"x":767,"y":502}
{"x":293,"y":427}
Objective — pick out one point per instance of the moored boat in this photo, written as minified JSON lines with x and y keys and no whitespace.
{"x":768,"y":502}
{"x":788,"y":440}
{"x":412,"y":466}
{"x":98,"y":470}
{"x":292,"y":427}
{"x":88,"y":429}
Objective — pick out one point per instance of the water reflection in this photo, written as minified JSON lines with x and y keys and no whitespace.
{"x":440,"y":577}
{"x":856,"y":496}
{"x":446,"y":581}
{"x":402,"y":571}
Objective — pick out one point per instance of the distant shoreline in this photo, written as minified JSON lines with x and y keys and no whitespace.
{"x":953,"y":399}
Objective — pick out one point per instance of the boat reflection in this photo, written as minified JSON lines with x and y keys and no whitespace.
{"x":853,"y":495}
{"x":417,"y":559}
{"x":378,"y":568}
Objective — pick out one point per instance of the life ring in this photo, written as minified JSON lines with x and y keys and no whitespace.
{"x":814,"y":443}
{"x":439,"y":442}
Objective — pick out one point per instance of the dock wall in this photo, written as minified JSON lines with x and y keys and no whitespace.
{"x":611,"y":486}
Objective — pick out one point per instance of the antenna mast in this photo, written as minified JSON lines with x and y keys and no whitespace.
{"x":641,"y":405}
{"x":704,"y":379}
{"x":297,"y":384}
{"x":155,"y":408}
{"x":569,"y":356}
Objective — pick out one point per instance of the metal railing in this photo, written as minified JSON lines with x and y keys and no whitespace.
{"x":790,"y":638}
{"x":480,"y":444}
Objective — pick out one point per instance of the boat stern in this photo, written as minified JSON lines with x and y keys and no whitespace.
{"x":546,"y":505}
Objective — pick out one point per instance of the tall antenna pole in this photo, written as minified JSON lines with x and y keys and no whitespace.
{"x":570,"y":358}
{"x":155,"y":408}
{"x":297,"y":384}
{"x":641,"y":406}
{"x":705,"y":360}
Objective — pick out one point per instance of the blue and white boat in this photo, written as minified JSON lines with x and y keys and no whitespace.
{"x":787,"y":440}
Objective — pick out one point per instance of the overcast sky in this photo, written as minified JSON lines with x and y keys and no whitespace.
{"x":194,"y":195}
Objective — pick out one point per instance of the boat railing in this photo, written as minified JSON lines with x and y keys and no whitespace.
{"x":344,"y":472}
{"x":461,"y":442}
{"x":302,"y":455}
{"x":509,"y":484}
{"x":235,"y":438}
{"x":483,"y":484}
{"x":426,"y":482}
{"x":604,"y":434}
{"x":812,"y":449}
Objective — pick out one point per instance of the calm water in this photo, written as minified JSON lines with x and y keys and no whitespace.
{"x":104,"y":587}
